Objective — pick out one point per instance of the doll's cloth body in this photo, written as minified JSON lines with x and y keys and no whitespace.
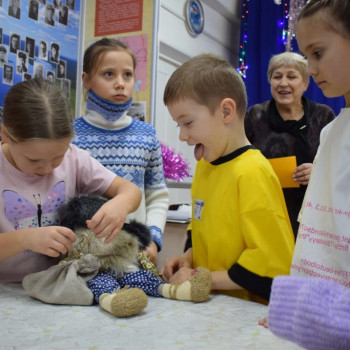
{"x":64,"y":283}
{"x":120,"y":260}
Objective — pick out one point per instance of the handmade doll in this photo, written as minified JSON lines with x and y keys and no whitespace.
{"x":124,"y":276}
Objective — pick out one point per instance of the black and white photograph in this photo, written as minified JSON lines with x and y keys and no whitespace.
{"x":65,"y":86}
{"x":3,"y":55}
{"x":50,"y":14}
{"x":50,"y":76}
{"x":57,"y":3}
{"x":27,"y":76}
{"x":7,"y":77}
{"x":70,"y":4}
{"x":14,"y":8}
{"x":33,"y":11}
{"x":43,"y":52}
{"x":22,"y":62}
{"x":30,"y":46}
{"x":15,"y":40}
{"x":63,"y":15}
{"x":38,"y":70}
{"x":55,"y":52}
{"x":61,"y":69}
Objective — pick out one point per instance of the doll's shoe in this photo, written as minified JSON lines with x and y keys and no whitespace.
{"x":196,"y":288}
{"x":124,"y":302}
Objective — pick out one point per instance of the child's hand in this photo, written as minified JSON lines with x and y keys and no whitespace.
{"x":50,"y":240}
{"x":174,"y":264}
{"x":263,"y":322}
{"x":151,"y":252}
{"x":109,"y":219}
{"x":181,"y":275}
{"x":302,"y":173}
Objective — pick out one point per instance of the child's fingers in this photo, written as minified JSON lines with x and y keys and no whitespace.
{"x":111,"y":236}
{"x":63,"y":242}
{"x":68,"y":234}
{"x":102,"y":231}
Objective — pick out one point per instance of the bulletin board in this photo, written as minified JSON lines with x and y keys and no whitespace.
{"x":39,"y":38}
{"x":133,"y":22}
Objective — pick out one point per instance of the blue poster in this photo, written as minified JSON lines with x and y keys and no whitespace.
{"x":39,"y":38}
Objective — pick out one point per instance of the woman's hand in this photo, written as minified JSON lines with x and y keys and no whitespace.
{"x":302,"y":173}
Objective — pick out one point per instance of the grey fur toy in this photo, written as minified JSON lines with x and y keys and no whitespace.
{"x":121,"y":254}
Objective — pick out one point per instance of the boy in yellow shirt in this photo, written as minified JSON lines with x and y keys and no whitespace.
{"x":240,"y":228}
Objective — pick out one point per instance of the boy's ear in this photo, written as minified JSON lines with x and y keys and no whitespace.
{"x":228,"y":108}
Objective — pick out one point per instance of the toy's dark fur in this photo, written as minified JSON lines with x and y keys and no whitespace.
{"x":81,"y":208}
{"x":121,"y":253}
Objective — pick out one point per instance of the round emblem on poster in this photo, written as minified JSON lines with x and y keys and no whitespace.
{"x":194,"y":17}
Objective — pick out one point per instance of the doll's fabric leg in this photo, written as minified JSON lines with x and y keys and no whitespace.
{"x":196,"y":288}
{"x":103,"y":282}
{"x":145,"y":280}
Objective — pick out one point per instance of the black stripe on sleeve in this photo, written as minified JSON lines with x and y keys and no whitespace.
{"x":250,"y":281}
{"x":188,"y":243}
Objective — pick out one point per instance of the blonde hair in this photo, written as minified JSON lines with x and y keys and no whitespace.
{"x":288,"y":59}
{"x":207,"y":79}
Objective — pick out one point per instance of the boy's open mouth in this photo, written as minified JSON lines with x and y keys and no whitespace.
{"x":198,"y":151}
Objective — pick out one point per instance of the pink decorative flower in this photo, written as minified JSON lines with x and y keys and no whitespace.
{"x":175,"y":166}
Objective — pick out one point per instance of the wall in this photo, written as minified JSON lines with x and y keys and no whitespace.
{"x":176,"y":45}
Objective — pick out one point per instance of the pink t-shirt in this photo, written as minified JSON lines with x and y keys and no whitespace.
{"x":20,"y":195}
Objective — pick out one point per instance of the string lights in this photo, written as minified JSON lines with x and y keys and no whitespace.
{"x":290,"y":12}
{"x":243,"y":67}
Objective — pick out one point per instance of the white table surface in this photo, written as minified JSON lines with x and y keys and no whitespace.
{"x":221,"y":323}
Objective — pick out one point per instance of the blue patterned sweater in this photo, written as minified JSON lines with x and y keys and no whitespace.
{"x":130,"y":148}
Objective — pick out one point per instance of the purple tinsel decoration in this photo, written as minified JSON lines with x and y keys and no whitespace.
{"x":175,"y":167}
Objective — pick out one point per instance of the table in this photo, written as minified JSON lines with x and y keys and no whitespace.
{"x":222,"y":323}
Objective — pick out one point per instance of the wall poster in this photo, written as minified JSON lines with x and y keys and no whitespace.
{"x":39,"y":38}
{"x":133,"y":22}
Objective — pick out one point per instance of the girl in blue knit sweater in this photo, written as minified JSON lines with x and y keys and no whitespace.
{"x":128,"y":147}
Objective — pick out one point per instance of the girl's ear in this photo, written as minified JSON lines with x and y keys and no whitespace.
{"x":4,"y":136}
{"x":228,"y":109}
{"x":85,"y":79}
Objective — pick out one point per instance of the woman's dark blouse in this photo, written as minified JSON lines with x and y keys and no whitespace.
{"x":267,"y":131}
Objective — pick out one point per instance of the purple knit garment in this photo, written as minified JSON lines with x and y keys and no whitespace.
{"x":311,"y":312}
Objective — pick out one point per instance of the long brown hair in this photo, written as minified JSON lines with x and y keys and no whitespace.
{"x":93,"y":53}
{"x":338,"y":12}
{"x":37,"y":109}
